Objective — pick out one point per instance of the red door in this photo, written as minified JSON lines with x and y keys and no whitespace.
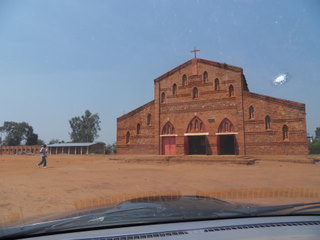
{"x":218,"y":145}
{"x":168,"y":145}
{"x":186,"y":145}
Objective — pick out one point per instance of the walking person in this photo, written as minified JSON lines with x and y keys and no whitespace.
{"x":43,"y":152}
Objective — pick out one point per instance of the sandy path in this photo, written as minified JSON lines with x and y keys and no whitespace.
{"x":74,"y":182}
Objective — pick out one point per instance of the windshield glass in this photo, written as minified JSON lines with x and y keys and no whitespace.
{"x":157,"y":110}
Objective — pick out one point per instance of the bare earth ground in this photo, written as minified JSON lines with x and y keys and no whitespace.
{"x":78,"y":182}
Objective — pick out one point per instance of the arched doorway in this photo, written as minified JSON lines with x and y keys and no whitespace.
{"x":195,"y":140}
{"x":226,"y":138}
{"x":168,"y":138}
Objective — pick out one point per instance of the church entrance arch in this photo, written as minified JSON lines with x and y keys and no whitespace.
{"x":226,"y":138}
{"x":168,"y":139}
{"x":195,"y":140}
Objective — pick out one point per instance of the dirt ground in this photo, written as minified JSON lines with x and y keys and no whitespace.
{"x":78,"y":182}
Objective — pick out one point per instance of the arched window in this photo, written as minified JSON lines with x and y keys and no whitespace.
{"x":168,"y":129}
{"x":285,"y":132}
{"x":184,"y":80}
{"x":174,"y":90}
{"x":226,"y":126}
{"x":138,"y":128}
{"x":251,"y":112}
{"x":231,"y":91}
{"x":195,"y":125}
{"x":267,"y":122}
{"x":216,"y":84}
{"x":163,"y":97}
{"x":127,"y":137}
{"x":205,"y":77}
{"x":195,"y":93}
{"x":149,"y":119}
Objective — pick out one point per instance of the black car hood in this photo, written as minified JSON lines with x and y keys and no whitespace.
{"x":156,"y":209}
{"x":152,"y":210}
{"x":136,"y":211}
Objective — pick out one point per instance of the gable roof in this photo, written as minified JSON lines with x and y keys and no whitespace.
{"x":131,"y":113}
{"x":199,"y":60}
{"x":88,"y":144}
{"x":287,"y":103}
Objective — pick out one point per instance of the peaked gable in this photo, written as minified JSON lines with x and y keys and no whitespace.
{"x":199,"y":60}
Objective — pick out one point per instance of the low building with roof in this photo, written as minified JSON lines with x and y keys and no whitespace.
{"x":76,"y":148}
{"x":20,"y":150}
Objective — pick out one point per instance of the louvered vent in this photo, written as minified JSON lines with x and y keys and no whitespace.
{"x":261,"y":225}
{"x":205,"y":230}
{"x":147,"y":235}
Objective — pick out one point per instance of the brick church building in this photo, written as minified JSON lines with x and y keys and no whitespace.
{"x":205,"y":107}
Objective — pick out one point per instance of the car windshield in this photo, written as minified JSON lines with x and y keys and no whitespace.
{"x":126,"y":112}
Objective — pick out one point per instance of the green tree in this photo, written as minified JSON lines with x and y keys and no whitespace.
{"x":40,"y":142}
{"x":317,"y":132}
{"x":55,"y":140}
{"x":314,"y":147}
{"x":111,"y":148}
{"x":16,"y":132}
{"x":30,"y":137}
{"x":85,"y":128}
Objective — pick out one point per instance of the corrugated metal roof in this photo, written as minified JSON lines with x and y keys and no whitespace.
{"x":71,"y":144}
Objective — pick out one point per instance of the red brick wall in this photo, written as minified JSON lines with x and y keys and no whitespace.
{"x":260,"y":140}
{"x":212,"y":107}
{"x":144,"y":142}
{"x":22,"y":149}
{"x":210,"y":104}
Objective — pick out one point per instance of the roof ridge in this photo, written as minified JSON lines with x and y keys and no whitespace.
{"x":276,"y":99}
{"x":201,"y":60}
{"x":72,"y":144}
{"x":134,"y":111}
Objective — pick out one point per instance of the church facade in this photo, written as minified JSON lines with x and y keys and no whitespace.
{"x":205,"y":107}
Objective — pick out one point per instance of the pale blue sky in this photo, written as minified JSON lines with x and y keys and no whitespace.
{"x":59,"y":58}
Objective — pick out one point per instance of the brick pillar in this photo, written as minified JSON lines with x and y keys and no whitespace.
{"x":157,"y":116}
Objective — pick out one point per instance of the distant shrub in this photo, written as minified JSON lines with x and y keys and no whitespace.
{"x":111,"y":149}
{"x":314,"y":148}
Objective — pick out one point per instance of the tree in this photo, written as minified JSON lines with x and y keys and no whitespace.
{"x":85,"y":128}
{"x":314,"y":147}
{"x":53,"y":141}
{"x":31,"y":137}
{"x":18,"y":132}
{"x":111,"y":148}
{"x":40,"y":142}
{"x":317,"y":132}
